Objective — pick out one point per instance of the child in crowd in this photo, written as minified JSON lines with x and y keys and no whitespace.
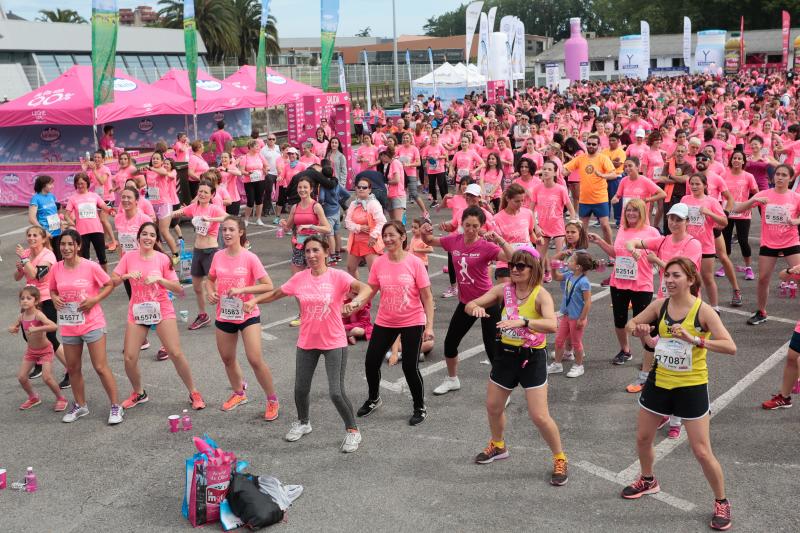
{"x":358,"y":325}
{"x":575,"y":238}
{"x":418,"y":246}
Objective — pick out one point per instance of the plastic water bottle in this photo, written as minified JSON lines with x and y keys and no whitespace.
{"x":783,"y":291}
{"x":186,"y":421}
{"x":280,"y":232}
{"x":792,"y":289}
{"x":404,"y":218}
{"x":30,"y":481}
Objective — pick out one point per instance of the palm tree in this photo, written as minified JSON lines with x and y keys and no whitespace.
{"x":216,"y":23}
{"x":249,"y":13}
{"x":61,"y":15}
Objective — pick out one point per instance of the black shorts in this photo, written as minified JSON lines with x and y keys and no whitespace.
{"x":689,"y":403}
{"x":777,"y":252}
{"x":717,"y":232}
{"x":709,"y":256}
{"x":501,"y":272}
{"x":236,"y":327}
{"x":509,"y":368}
{"x":201,"y":261}
{"x":622,"y":298}
{"x":794,"y":344}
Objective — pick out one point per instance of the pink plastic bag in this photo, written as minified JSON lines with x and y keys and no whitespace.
{"x":211,"y":477}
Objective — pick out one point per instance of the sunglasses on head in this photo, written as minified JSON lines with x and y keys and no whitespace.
{"x":518,"y":266}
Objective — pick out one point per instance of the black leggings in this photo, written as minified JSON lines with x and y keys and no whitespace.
{"x":269,"y":184}
{"x":255,"y":192}
{"x":49,"y":310}
{"x":437,"y":180}
{"x":55,"y":243}
{"x":97,"y":240}
{"x":380,"y":343}
{"x":742,"y":233}
{"x":451,"y":270}
{"x":460,"y":324}
{"x":193,"y":187}
{"x":233,"y":208}
{"x":622,"y":298}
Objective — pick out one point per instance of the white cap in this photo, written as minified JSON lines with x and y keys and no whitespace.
{"x":474,"y":189}
{"x":292,"y":150}
{"x":679,"y":210}
{"x":640,"y":133}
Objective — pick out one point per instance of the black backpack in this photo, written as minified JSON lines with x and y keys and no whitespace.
{"x":252,"y":506}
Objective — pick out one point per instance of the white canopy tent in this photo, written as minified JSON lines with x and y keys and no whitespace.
{"x":451,"y":83}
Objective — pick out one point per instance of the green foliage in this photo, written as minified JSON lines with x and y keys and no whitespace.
{"x":366,"y":32}
{"x":61,"y":15}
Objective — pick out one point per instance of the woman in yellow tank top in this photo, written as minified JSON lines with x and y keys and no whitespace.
{"x":678,"y":382}
{"x":521,"y":356}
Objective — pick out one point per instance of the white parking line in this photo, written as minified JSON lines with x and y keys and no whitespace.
{"x":749,"y":314}
{"x":12,"y":215}
{"x":14,"y":232}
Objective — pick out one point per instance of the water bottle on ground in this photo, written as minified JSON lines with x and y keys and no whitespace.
{"x":792,"y":289}
{"x":783,"y":290}
{"x":30,"y":481}
{"x":186,"y":421}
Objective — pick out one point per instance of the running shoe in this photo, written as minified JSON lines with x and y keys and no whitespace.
{"x":75,"y":413}
{"x":555,"y":368}
{"x":674,"y":432}
{"x":60,"y":405}
{"x":145,"y":345}
{"x":736,"y":299}
{"x":740,"y":268}
{"x":621,"y":358}
{"x":246,"y":223}
{"x":201,"y":321}
{"x":197,"y":401}
{"x":295,"y":323}
{"x":260,"y":222}
{"x":112,"y":247}
{"x":559,"y":476}
{"x":748,"y":274}
{"x":36,"y":372}
{"x":576,"y":371}
{"x":434,"y":204}
{"x":351,"y":441}
{"x":369,"y":407}
{"x":272,"y":410}
{"x":362,"y":262}
{"x":418,"y":417}
{"x":33,"y":401}
{"x":720,"y":273}
{"x":297,"y":431}
{"x":664,"y":420}
{"x":778,"y":402}
{"x":234,"y":401}
{"x":796,"y":388}
{"x":606,"y":282}
{"x":449,"y":384}
{"x":721,"y":521}
{"x":757,"y":318}
{"x":641,"y":487}
{"x":636,"y":386}
{"x":135,"y":399}
{"x":64,"y":383}
{"x":162,"y":354}
{"x":115,"y":415}
{"x":450,"y":292}
{"x":491,"y":453}
{"x":276,"y":221}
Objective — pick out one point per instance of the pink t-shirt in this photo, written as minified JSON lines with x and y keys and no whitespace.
{"x":628,"y":273}
{"x":321,"y":299}
{"x":104,"y":191}
{"x":516,"y":228}
{"x":370,"y":156}
{"x":492,"y":185}
{"x":407,"y":156}
{"x":146,"y":207}
{"x":195,"y":211}
{"x":84,"y":209}
{"x":74,"y":285}
{"x":529,"y":186}
{"x":655,"y":163}
{"x":471,"y":264}
{"x":127,"y":228}
{"x":158,"y":264}
{"x":45,"y":256}
{"x":182,"y":151}
{"x":536,"y":157}
{"x":221,"y":195}
{"x":219,"y":138}
{"x":776,"y":230}
{"x":716,"y":185}
{"x":465,"y":163}
{"x":550,"y":204}
{"x":229,"y":272}
{"x":741,"y":185}
{"x":699,"y":226}
{"x":160,"y":189}
{"x":197,"y":165}
{"x":396,"y":171}
{"x":665,"y":248}
{"x":123,"y":175}
{"x":438,"y":153}
{"x":399,"y":283}
{"x":231,"y":184}
{"x":640,"y":188}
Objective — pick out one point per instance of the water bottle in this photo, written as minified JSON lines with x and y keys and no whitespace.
{"x":30,"y":481}
{"x":280,"y":232}
{"x":404,"y":218}
{"x":792,"y":289}
{"x":783,"y":291}
{"x":186,"y":421}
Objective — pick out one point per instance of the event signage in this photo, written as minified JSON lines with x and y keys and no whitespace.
{"x":366,"y":80}
{"x":261,"y":58}
{"x":105,"y":22}
{"x":473,"y":13}
{"x":551,"y":75}
{"x":687,"y":42}
{"x":433,"y":71}
{"x":645,"y":62}
{"x":342,"y":78}
{"x":329,"y":24}
{"x":483,"y":45}
{"x":518,"y":51}
{"x":630,"y":56}
{"x":584,"y":70}
{"x":710,"y":50}
{"x":785,"y":36}
{"x":190,"y":44}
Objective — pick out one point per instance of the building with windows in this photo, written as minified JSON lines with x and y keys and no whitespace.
{"x":666,"y":51}
{"x":139,"y":16}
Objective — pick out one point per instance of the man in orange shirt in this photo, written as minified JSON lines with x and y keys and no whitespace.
{"x":595,"y":170}
{"x":616,"y":153}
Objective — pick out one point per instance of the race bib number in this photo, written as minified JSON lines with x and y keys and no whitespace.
{"x":405,"y":160}
{"x":128,"y":242}
{"x":657,"y":171}
{"x":87,"y":210}
{"x":518,"y":245}
{"x":490,"y":187}
{"x":200,"y":226}
{"x":463,"y":173}
{"x":53,"y":222}
{"x":626,"y":268}
{"x":100,"y":191}
{"x":776,"y":214}
{"x":674,"y":354}
{"x":70,"y":315}
{"x":147,"y":313}
{"x":695,"y":217}
{"x":231,"y":309}
{"x":153,"y":193}
{"x":256,"y":175}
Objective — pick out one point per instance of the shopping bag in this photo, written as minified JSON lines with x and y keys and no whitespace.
{"x":208,"y":476}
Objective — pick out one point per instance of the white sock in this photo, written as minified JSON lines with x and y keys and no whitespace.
{"x":674,"y":421}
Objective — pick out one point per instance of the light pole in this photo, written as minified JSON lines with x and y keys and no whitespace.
{"x":394,"y":54}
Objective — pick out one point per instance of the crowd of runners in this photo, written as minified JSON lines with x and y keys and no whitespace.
{"x":648,"y":178}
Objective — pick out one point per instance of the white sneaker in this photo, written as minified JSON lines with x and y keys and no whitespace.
{"x":115,"y":415}
{"x":555,"y":368}
{"x":75,"y":412}
{"x":260,"y":222}
{"x":449,"y":384}
{"x":575,"y":371}
{"x":569,"y":356}
{"x":299,"y":429}
{"x":351,"y":441}
{"x":246,"y":223}
{"x":508,"y":402}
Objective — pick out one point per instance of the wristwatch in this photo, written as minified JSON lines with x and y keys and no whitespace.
{"x":527,"y":322}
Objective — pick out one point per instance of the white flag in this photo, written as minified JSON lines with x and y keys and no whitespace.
{"x":644,"y":66}
{"x":519,"y":50}
{"x":687,"y":42}
{"x":473,"y":13}
{"x":483,"y":45}
{"x":492,"y":13}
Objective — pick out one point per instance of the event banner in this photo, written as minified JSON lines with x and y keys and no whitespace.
{"x":408,"y":66}
{"x":433,"y":71}
{"x":492,"y":14}
{"x":342,"y":78}
{"x":473,"y":14}
{"x":518,"y":50}
{"x":785,"y":35}
{"x":366,"y":81}
{"x":687,"y":42}
{"x":105,"y":22}
{"x":551,"y":75}
{"x":329,"y":24}
{"x":507,"y":26}
{"x":630,"y":56}
{"x":190,"y":43}
{"x":710,"y":51}
{"x":483,"y":45}
{"x":644,"y":66}
{"x":583,"y":68}
{"x":261,"y":59}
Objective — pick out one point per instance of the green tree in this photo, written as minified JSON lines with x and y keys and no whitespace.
{"x":216,"y":23}
{"x":61,"y":15}
{"x":366,"y":32}
{"x":248,"y":13}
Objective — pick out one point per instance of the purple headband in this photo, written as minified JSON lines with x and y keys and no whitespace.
{"x":530,"y":249}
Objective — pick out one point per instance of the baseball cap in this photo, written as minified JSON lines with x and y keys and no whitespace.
{"x":640,"y":133}
{"x":680,"y":211}
{"x":474,"y":189}
{"x":292,"y":150}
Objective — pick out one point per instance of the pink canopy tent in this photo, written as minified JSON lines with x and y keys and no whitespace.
{"x":212,"y":94}
{"x":68,"y":100}
{"x":280,"y":90}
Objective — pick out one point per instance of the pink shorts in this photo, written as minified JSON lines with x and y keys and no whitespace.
{"x":568,"y":329}
{"x":40,"y":355}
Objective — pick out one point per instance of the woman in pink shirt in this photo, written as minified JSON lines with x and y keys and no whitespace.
{"x":742,"y":185}
{"x":531,"y":153}
{"x":77,"y":286}
{"x":515,"y":224}
{"x":150,"y":276}
{"x":102,"y":183}
{"x":231,"y":177}
{"x":491,"y":180}
{"x":235,"y":276}
{"x":465,"y":163}
{"x":126,"y":171}
{"x":550,"y":200}
{"x":780,"y":209}
{"x":321,"y":292}
{"x":182,"y":148}
{"x":364,"y":220}
{"x":309,"y":157}
{"x":435,"y":157}
{"x":197,"y":165}
{"x":367,"y":156}
{"x":506,"y":157}
{"x":395,"y":181}
{"x":526,"y":178}
{"x":409,"y":157}
{"x":358,"y":120}
{"x":161,"y":182}
{"x":406,"y":311}
{"x":633,"y":185}
{"x":254,"y":168}
{"x":82,"y":212}
{"x":319,"y":144}
{"x":294,"y":166}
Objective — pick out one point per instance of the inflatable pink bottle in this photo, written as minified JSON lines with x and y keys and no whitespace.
{"x":576,"y":50}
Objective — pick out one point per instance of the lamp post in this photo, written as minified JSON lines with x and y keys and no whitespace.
{"x":394,"y":54}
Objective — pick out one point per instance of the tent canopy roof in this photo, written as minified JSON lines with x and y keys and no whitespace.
{"x":280,"y":89}
{"x":452,"y":75}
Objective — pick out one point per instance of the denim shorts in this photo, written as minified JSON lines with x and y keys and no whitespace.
{"x":88,"y":338}
{"x":333,"y":222}
{"x":599,"y":210}
{"x":398,"y":202}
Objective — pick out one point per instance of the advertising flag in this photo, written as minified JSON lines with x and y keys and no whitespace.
{"x":645,"y":64}
{"x":630,"y":55}
{"x":408,"y":66}
{"x":105,"y":22}
{"x":342,"y":80}
{"x":785,"y":34}
{"x":366,"y":80}
{"x":741,"y":42}
{"x":483,"y":45}
{"x":492,"y":13}
{"x":687,"y":42}
{"x":473,"y":13}
{"x":710,"y":51}
{"x":190,"y":43}
{"x":433,"y":71}
{"x":261,"y":59}
{"x":518,"y":50}
{"x":329,"y":24}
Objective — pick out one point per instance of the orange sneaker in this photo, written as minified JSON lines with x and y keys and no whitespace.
{"x":32,"y":401}
{"x":272,"y":410}
{"x":234,"y":401}
{"x":197,"y":401}
{"x":60,"y":405}
{"x":112,"y":247}
{"x":635,"y":387}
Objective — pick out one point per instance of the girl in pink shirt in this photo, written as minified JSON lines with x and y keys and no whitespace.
{"x":633,"y":185}
{"x":550,"y":200}
{"x":319,"y":144}
{"x":235,"y":276}
{"x":434,"y":156}
{"x":102,"y":183}
{"x":254,"y":167}
{"x":395,"y":180}
{"x":231,"y":177}
{"x":77,"y":287}
{"x":128,"y":220}
{"x":532,"y":154}
{"x":506,"y":157}
{"x":367,"y":156}
{"x":150,"y":275}
{"x":465,"y":162}
{"x":526,"y":170}
{"x":82,"y":212}
{"x":126,"y":171}
{"x":742,"y":185}
{"x":160,"y":183}
{"x":515,"y":224}
{"x":491,"y":180}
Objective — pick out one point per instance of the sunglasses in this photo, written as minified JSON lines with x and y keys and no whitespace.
{"x":362,"y":188}
{"x":591,"y":144}
{"x":518,"y":266}
{"x":271,"y":139}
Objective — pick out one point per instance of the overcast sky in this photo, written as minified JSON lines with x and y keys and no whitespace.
{"x":296,"y":18}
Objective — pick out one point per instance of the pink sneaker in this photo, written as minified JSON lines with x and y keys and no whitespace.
{"x":33,"y":401}
{"x":720,"y":273}
{"x":60,"y":405}
{"x":450,"y":292}
{"x":748,"y":274}
{"x":796,"y":388}
{"x":740,"y":268}
{"x":674,"y":432}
